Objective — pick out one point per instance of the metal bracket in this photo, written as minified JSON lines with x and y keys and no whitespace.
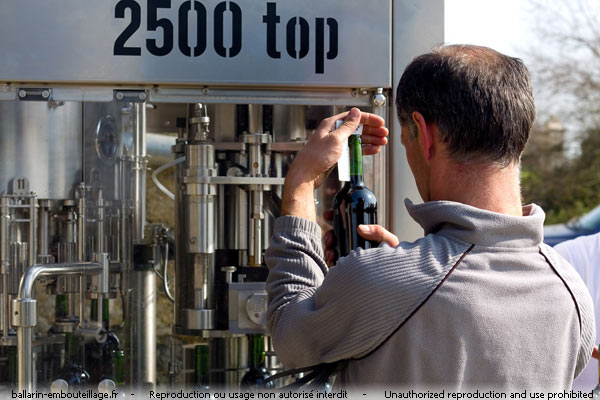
{"x":31,"y":94}
{"x":132,"y":96}
{"x":24,"y":312}
{"x":247,"y":307}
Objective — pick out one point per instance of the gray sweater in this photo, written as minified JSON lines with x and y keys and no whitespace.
{"x":479,"y":301}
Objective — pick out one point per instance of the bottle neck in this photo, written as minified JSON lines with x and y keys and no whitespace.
{"x":72,"y":348}
{"x":201,"y":365}
{"x":355,"y":147}
{"x":105,"y":313}
{"x":61,"y":310}
{"x":257,"y":350}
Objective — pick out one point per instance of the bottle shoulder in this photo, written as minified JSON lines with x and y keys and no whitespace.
{"x":362,"y":193}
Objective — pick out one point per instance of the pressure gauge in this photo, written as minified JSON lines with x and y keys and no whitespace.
{"x":108,"y":139}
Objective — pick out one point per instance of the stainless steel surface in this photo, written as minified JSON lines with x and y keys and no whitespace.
{"x":199,"y":199}
{"x":247,"y":307}
{"x":158,"y":147}
{"x":25,"y":359}
{"x":228,"y":360}
{"x":381,"y":181}
{"x":144,"y":329}
{"x":139,"y":170}
{"x":408,"y":17}
{"x":255,"y":118}
{"x":198,"y":319}
{"x":4,"y":264}
{"x":288,"y":123}
{"x":315,"y":63}
{"x":266,"y":95}
{"x":41,"y":141}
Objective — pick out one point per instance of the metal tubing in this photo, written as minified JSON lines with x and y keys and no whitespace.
{"x":139,"y":183}
{"x":257,"y":221}
{"x":32,"y":228}
{"x":4,"y":262}
{"x":81,"y":248}
{"x":25,"y":358}
{"x":145,"y":328}
{"x":25,"y":330}
{"x":43,"y":232}
{"x":100,"y":224}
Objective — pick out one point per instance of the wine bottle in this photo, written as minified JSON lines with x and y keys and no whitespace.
{"x":341,"y":239}
{"x":99,"y":355}
{"x":358,"y":205}
{"x":254,"y":379}
{"x":72,"y":371}
{"x":201,"y":375}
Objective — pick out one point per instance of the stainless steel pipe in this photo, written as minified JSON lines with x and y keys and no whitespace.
{"x":25,"y":309}
{"x":4,"y":263}
{"x":139,"y":167}
{"x":144,"y":309}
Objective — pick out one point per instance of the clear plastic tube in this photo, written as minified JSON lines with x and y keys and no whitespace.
{"x":160,"y":169}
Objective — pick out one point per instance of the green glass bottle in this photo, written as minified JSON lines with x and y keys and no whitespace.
{"x":118,"y":367}
{"x":72,"y":371}
{"x":61,"y":307}
{"x":99,"y":354}
{"x":201,"y":367}
{"x":254,"y":379}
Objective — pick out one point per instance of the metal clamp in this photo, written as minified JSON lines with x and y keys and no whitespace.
{"x":24,"y":312}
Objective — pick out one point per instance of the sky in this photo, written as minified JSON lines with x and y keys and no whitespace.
{"x":503,"y":25}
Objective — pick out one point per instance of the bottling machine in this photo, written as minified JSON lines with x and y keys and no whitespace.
{"x":101,"y":99}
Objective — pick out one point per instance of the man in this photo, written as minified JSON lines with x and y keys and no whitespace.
{"x":479,"y":302}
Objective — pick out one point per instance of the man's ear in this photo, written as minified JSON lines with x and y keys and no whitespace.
{"x":425,"y":135}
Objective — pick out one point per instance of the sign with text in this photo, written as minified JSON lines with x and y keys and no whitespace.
{"x":344,"y":43}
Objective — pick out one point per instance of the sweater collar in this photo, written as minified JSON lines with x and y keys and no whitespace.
{"x":480,"y":227}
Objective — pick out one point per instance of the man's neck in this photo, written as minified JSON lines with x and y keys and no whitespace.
{"x":482,"y":186}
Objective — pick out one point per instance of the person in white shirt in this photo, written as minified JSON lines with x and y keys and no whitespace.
{"x":584,"y":254}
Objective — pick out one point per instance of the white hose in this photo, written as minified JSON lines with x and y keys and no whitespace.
{"x":160,"y":169}
{"x":165,"y":274}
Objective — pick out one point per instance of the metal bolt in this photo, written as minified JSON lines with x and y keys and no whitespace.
{"x":205,"y":90}
{"x":22,"y":93}
{"x":354,"y":93}
{"x":119,"y":96}
{"x":229,"y":270}
{"x":142,"y":96}
{"x":379,"y":100}
{"x":45,"y":94}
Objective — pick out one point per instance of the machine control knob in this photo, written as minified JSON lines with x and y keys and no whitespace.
{"x":59,"y":386}
{"x":256,"y":307}
{"x":107,"y":386}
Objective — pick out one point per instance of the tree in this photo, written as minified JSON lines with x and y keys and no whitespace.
{"x":565,"y":67}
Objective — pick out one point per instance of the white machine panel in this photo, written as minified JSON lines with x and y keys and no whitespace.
{"x":242,"y":42}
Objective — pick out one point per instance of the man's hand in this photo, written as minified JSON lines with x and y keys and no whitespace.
{"x":595,"y":352}
{"x":369,"y":232}
{"x":379,"y":234}
{"x":321,"y":152}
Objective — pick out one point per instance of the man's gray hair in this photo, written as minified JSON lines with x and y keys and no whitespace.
{"x":480,"y":100}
